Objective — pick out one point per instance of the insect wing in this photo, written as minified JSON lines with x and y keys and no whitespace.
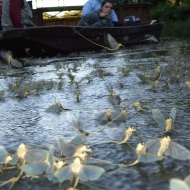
{"x":50,"y":160}
{"x":114,"y":100}
{"x":177,"y":151}
{"x":102,"y":118}
{"x":147,"y":158}
{"x":35,"y":168}
{"x":173,"y":114}
{"x":74,"y":121}
{"x":79,"y":140}
{"x":67,"y":149}
{"x":15,"y":63}
{"x":33,"y":155}
{"x":159,"y":118}
{"x":90,"y":172}
{"x":53,"y":109}
{"x":112,"y":42}
{"x":116,"y":134}
{"x":73,"y":118}
{"x":187,"y":180}
{"x":64,"y":173}
{"x":120,"y":115}
{"x":152,"y":146}
{"x":142,"y":78}
{"x":178,"y":184}
{"x":3,"y":154}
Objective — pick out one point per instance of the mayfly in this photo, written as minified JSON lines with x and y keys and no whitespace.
{"x":166,"y":147}
{"x":178,"y":184}
{"x":5,"y":157}
{"x":113,"y":44}
{"x":121,"y":136}
{"x":165,"y":123}
{"x":7,"y":56}
{"x":140,"y":106}
{"x":74,"y":120}
{"x":36,"y":168}
{"x":143,"y":156}
{"x":78,"y":171}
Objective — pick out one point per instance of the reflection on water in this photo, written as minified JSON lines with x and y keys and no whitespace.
{"x":41,"y":82}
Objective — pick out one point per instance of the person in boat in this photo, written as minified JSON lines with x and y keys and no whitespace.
{"x":16,"y":14}
{"x":1,"y":3}
{"x":100,"y":17}
{"x":92,"y":5}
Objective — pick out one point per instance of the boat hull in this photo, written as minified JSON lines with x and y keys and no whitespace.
{"x":47,"y":40}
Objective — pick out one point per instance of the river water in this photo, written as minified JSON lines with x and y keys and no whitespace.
{"x":26,"y":120}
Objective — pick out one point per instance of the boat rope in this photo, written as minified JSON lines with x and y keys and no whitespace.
{"x":111,"y":49}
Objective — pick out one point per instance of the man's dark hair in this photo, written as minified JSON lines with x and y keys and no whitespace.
{"x":106,"y":1}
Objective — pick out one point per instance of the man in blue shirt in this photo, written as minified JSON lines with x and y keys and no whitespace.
{"x":92,"y":5}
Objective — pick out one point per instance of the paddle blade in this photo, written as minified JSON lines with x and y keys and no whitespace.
{"x":90,"y":172}
{"x":178,"y":184}
{"x":64,"y":173}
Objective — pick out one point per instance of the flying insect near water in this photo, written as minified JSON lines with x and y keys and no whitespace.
{"x":112,"y":43}
{"x":74,"y":120}
{"x":165,"y":123}
{"x":166,"y":147}
{"x":109,"y":116}
{"x":143,"y":156}
{"x":56,"y":108}
{"x":78,"y":171}
{"x":23,"y":156}
{"x":178,"y":184}
{"x":5,"y":157}
{"x":8,"y":57}
{"x":39,"y":167}
{"x":152,"y":76}
{"x":121,"y":136}
{"x":140,"y":106}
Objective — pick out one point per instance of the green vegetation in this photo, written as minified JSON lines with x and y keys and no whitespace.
{"x":175,"y":14}
{"x":177,"y":19}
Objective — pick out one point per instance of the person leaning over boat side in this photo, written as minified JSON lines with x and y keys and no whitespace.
{"x":100,"y":17}
{"x":93,"y":5}
{"x":1,"y":3}
{"x":16,"y":14}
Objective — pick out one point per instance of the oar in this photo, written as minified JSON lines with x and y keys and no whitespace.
{"x":7,"y":56}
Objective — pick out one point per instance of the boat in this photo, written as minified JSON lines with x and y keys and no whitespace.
{"x":53,"y":40}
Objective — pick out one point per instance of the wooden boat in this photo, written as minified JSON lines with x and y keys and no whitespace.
{"x":51,"y":40}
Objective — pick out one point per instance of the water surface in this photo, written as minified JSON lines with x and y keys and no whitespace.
{"x":25,"y":120}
